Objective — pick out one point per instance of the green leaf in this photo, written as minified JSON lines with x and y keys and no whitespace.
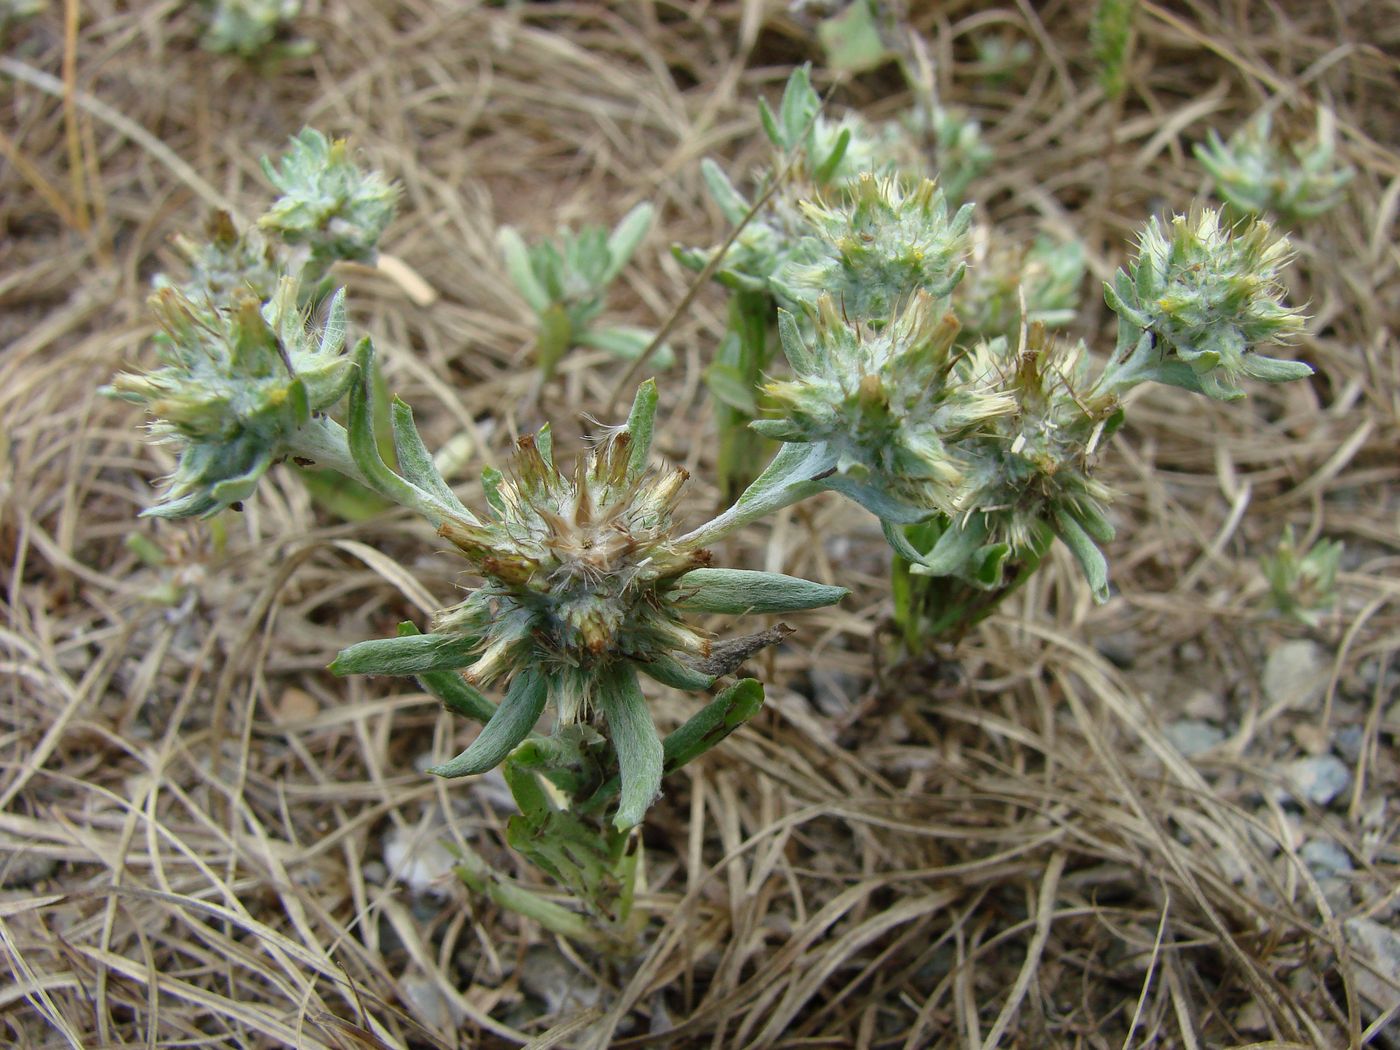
{"x":412,"y":654}
{"x":525,"y":788}
{"x":364,"y":448}
{"x":852,"y":41}
{"x":829,"y":165}
{"x":738,"y":591}
{"x":511,"y":723}
{"x":628,"y":343}
{"x":800,"y":104}
{"x":729,"y":386}
{"x":770,"y":125}
{"x":777,"y":429}
{"x":640,"y":421}
{"x":634,"y":738}
{"x":951,"y":552}
{"x":623,"y":241}
{"x":555,"y":338}
{"x":712,"y":723}
{"x":898,"y":539}
{"x":544,"y":442}
{"x":794,"y":346}
{"x":1273,"y":369}
{"x":450,"y":688}
{"x":732,"y":204}
{"x":791,"y":475}
{"x":491,"y":479}
{"x":1090,"y":558}
{"x":876,"y":497}
{"x":700,"y":733}
{"x":668,"y":670}
{"x":987,"y":562}
{"x":416,"y":461}
{"x":522,"y":274}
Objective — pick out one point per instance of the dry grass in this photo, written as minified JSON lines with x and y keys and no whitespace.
{"x":1002,"y":848}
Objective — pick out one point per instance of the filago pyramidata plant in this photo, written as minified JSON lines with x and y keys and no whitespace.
{"x":254,"y":30}
{"x":1256,"y":174}
{"x":975,"y":448}
{"x":565,"y":282}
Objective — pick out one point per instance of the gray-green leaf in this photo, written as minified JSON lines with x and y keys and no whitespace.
{"x":511,"y":724}
{"x":743,"y":590}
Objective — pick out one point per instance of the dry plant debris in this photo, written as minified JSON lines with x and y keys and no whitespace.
{"x":1170,"y":821}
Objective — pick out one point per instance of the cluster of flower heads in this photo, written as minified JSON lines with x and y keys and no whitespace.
{"x":1207,"y":296}
{"x":995,"y":437}
{"x":241,"y":375}
{"x":237,"y":384}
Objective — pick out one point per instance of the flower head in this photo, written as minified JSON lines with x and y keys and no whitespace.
{"x":1209,"y":296}
{"x":1257,"y":175}
{"x":584,"y":586}
{"x":225,"y":265}
{"x":880,"y":245}
{"x":328,"y":204}
{"x":886,"y":402}
{"x":1027,"y":474}
{"x":237,"y":383}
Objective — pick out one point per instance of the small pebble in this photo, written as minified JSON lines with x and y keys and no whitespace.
{"x":1318,"y":779}
{"x":1325,"y":858}
{"x":426,"y":1002}
{"x":374,"y":872}
{"x":419,"y":860}
{"x":1295,"y":674}
{"x":1380,"y":946}
{"x":1205,"y":704}
{"x":1349,"y":742}
{"x":1120,"y":648}
{"x":296,"y":705}
{"x":1312,"y":738}
{"x":1193,"y":737}
{"x":1251,"y":1018}
{"x":20,"y":869}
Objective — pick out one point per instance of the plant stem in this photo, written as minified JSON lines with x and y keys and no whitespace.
{"x":478,"y":876}
{"x":326,"y":443}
